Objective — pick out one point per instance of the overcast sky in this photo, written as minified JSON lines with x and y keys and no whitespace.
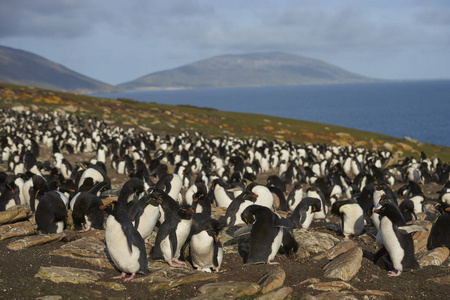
{"x":117,"y":41}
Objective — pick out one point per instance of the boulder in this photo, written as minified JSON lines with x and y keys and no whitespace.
{"x":345,"y":266}
{"x":312,"y":242}
{"x":227,"y":290}
{"x":278,"y":294}
{"x":194,"y":278}
{"x":340,"y":248}
{"x":67,"y":274}
{"x":333,"y":286}
{"x":34,"y":240}
{"x":88,"y":249}
{"x":14,"y":214}
{"x":272,"y":280}
{"x":435,"y":257}
{"x":17,"y":229}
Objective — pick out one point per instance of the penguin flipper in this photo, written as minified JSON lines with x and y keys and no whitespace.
{"x":410,"y":229}
{"x":132,"y":236}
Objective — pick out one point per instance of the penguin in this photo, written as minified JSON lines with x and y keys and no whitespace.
{"x":440,"y":234}
{"x":33,"y":189}
{"x":397,"y":240}
{"x":98,"y":174}
{"x":380,"y":189}
{"x":172,"y":185}
{"x":51,"y":212}
{"x":123,"y":242}
{"x":237,"y":207}
{"x":351,"y":215}
{"x":95,"y":190}
{"x":295,"y":196}
{"x":145,"y":214}
{"x":266,"y":234}
{"x":265,"y":197}
{"x":219,"y":190}
{"x":205,"y":249}
{"x":129,"y":192}
{"x":11,"y":194}
{"x":314,"y":192}
{"x":303,"y":214}
{"x":407,"y":209}
{"x":86,"y":212}
{"x":171,"y":236}
{"x":289,"y":245}
{"x":201,"y":202}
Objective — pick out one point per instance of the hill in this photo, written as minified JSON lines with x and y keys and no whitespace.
{"x":172,"y":119}
{"x":247,"y":70}
{"x":25,"y":68}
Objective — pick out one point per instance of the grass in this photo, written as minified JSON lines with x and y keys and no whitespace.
{"x":211,"y":122}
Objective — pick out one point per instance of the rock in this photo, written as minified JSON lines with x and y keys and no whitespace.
{"x":14,"y":214}
{"x":373,"y":293}
{"x":227,"y":290}
{"x":345,"y":266}
{"x":441,"y":280}
{"x":340,"y":248}
{"x":49,"y":297}
{"x":17,"y":229}
{"x":312,"y":242}
{"x":90,"y":249}
{"x":310,"y":280}
{"x":334,"y":286}
{"x":33,"y":240}
{"x":435,"y":257}
{"x":272,"y":280}
{"x":368,"y":239}
{"x":67,"y":274}
{"x":197,"y":277}
{"x":420,"y":238}
{"x":333,"y":296}
{"x":278,"y":294}
{"x":112,"y":285}
{"x":151,"y":279}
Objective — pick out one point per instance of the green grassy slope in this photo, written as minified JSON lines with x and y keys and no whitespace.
{"x":174,"y":119}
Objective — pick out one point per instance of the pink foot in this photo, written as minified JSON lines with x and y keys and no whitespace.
{"x":394,"y":273}
{"x":121,"y":276}
{"x":346,"y":237}
{"x":217,"y":270}
{"x":130,"y":278}
{"x":273,"y":262}
{"x":180,"y":262}
{"x":172,"y":264}
{"x":85,"y":230}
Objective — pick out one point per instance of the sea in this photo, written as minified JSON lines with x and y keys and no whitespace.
{"x":416,"y":109}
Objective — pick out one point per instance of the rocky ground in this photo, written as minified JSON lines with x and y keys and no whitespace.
{"x":75,"y":265}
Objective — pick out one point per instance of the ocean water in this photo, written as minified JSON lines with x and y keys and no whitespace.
{"x":417,"y":109}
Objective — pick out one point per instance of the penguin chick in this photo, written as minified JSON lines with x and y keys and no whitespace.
{"x":124,"y":243}
{"x":171,"y":236}
{"x":303,"y":214}
{"x":351,"y":215}
{"x":87,"y":213}
{"x":440,"y":234}
{"x":266,"y":234}
{"x":51,"y":212}
{"x":205,"y":249}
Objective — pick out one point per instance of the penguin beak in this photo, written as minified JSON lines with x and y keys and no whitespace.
{"x":255,"y":196}
{"x":190,"y":211}
{"x":377,"y":211}
{"x":103,"y":207}
{"x":447,"y":209}
{"x":195,"y":199}
{"x":216,"y":238}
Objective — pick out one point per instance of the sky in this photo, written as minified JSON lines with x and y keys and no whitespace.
{"x":116,"y":41}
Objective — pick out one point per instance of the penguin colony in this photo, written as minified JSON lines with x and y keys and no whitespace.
{"x":175,"y":180}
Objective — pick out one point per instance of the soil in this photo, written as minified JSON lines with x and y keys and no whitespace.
{"x":18,"y":268}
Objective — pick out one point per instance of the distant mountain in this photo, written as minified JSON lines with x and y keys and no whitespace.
{"x":25,"y":68}
{"x":247,"y":70}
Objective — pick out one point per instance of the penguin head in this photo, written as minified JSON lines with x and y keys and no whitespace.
{"x":380,"y":186}
{"x":199,"y":195}
{"x":112,"y":208}
{"x":387,"y":209}
{"x":155,"y":198}
{"x":185,"y":212}
{"x":213,"y":228}
{"x":385,"y":199}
